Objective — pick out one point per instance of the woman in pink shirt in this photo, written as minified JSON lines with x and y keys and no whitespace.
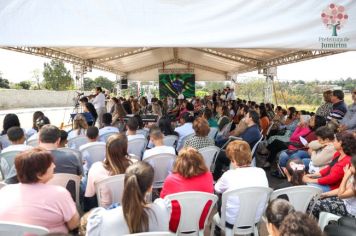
{"x":34,"y":202}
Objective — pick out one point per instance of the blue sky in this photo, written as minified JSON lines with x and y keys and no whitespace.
{"x":17,"y":67}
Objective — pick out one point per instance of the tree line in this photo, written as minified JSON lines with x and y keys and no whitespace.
{"x":55,"y":77}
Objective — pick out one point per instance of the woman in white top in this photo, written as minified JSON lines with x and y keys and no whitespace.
{"x":242,"y":176}
{"x":80,"y":127}
{"x":135,"y":215}
{"x":116,"y":162}
{"x":341,"y":201}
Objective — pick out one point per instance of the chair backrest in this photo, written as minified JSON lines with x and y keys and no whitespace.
{"x":269,"y":129}
{"x":213,"y":132}
{"x":33,"y":142}
{"x":153,"y":233}
{"x":62,"y":179}
{"x":78,"y":141}
{"x":225,"y":130}
{"x":7,"y":160}
{"x":162,"y":164}
{"x":104,"y":137}
{"x":192,"y":207}
{"x":143,"y":132}
{"x":93,"y":152}
{"x":112,"y":187}
{"x":299,"y":196}
{"x":253,"y":151}
{"x":250,"y":200}
{"x":137,"y":146}
{"x":75,"y":152}
{"x":2,"y":184}
{"x":4,"y":141}
{"x":18,"y":229}
{"x":209,"y":154}
{"x":170,"y":140}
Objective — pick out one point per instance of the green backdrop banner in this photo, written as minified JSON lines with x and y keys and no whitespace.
{"x":174,"y":84}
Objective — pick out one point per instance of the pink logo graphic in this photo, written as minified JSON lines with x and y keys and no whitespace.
{"x":334,"y":17}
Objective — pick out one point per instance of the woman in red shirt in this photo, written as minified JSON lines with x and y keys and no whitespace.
{"x":331,"y":176}
{"x":189,"y":174}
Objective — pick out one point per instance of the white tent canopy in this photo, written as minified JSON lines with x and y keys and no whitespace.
{"x":215,"y":38}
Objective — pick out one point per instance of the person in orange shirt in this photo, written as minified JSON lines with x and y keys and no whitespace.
{"x":264,"y":120}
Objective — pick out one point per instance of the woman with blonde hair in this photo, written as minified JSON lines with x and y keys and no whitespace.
{"x":116,"y":162}
{"x":135,"y":215}
{"x":241,"y":176}
{"x":80,"y":126}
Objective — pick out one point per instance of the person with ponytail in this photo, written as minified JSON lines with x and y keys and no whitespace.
{"x":294,"y":171}
{"x":135,"y":215}
{"x":116,"y":162}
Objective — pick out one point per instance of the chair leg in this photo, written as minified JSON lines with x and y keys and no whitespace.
{"x":212,"y":228}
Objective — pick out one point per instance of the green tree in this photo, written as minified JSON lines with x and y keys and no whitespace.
{"x":4,"y":83}
{"x":56,"y":76}
{"x":25,"y":85}
{"x":104,"y":82}
{"x":89,"y":84}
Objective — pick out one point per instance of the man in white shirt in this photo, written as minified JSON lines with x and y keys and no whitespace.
{"x":16,"y":136}
{"x":185,"y":129}
{"x":99,"y":104}
{"x":132,"y":125}
{"x":156,"y":138}
{"x":107,"y":120}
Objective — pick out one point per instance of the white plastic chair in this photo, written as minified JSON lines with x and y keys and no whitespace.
{"x":7,"y":161}
{"x":299,"y":196}
{"x":153,"y":233}
{"x":137,"y":146}
{"x":4,"y":141}
{"x":269,"y":129}
{"x":253,"y":151}
{"x":2,"y":184}
{"x":33,"y":142}
{"x":92,"y":153}
{"x":225,"y":130}
{"x":170,"y":140}
{"x":250,"y":199}
{"x":74,"y":152}
{"x":213,"y":132}
{"x":209,"y":154}
{"x":62,"y":179}
{"x":144,"y":132}
{"x":78,"y":141}
{"x":18,"y":229}
{"x":104,"y":137}
{"x":113,"y":186}
{"x":162,"y":164}
{"x":192,"y":204}
{"x":325,"y":218}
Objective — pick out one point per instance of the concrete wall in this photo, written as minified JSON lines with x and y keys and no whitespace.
{"x":12,"y":98}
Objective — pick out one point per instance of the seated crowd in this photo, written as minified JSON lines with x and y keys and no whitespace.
{"x":252,"y":143}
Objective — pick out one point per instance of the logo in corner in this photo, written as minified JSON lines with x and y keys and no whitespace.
{"x":334,"y":17}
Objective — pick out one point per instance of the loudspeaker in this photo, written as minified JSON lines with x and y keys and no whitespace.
{"x":124,"y":84}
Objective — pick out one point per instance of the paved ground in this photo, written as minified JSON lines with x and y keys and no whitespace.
{"x":56,"y":115}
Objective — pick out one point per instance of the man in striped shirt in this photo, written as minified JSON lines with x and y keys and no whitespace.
{"x":339,"y":108}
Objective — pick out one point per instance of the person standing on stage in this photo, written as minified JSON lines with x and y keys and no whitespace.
{"x":99,"y":104}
